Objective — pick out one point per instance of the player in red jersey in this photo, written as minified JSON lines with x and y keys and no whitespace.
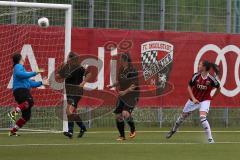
{"x":199,"y":89}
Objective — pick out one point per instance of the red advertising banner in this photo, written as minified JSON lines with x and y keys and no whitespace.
{"x":174,"y":57}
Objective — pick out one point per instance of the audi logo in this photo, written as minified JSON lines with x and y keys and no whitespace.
{"x":221,"y":58}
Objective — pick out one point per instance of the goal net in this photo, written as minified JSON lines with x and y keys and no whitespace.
{"x":41,"y":48}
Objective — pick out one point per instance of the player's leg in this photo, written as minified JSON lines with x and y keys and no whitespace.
{"x":70,"y":117}
{"x":22,"y":106}
{"x":74,"y":117}
{"x":126,"y":113}
{"x":26,"y":115}
{"x":187,"y":110}
{"x":203,"y":111}
{"x":20,"y":96}
{"x":178,"y":123}
{"x":77,"y":118}
{"x":120,"y":126}
{"x":120,"y":120}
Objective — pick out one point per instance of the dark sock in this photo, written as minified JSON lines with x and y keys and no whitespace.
{"x":70,"y":123}
{"x":79,"y":122}
{"x":120,"y":127}
{"x":70,"y":127}
{"x":132,"y":126}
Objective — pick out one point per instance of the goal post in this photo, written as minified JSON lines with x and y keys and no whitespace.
{"x":27,"y":33}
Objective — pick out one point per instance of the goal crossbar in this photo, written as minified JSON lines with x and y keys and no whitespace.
{"x":35,"y":5}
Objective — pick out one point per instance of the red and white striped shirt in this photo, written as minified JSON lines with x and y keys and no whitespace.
{"x":202,"y":86}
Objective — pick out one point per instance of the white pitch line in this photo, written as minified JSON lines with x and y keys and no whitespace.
{"x":111,"y":132}
{"x":114,"y":143}
{"x":96,"y":132}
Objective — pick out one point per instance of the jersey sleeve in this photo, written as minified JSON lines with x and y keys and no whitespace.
{"x":133,"y":75}
{"x":64,"y":71}
{"x":34,"y":84}
{"x":193,"y":80}
{"x":214,"y":82}
{"x":20,"y":72}
{"x":86,"y":71}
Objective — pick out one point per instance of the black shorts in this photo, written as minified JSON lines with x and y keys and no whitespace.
{"x":22,"y":95}
{"x":122,"y":106}
{"x":73,"y":100}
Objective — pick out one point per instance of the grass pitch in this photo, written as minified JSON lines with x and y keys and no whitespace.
{"x":149,"y":144}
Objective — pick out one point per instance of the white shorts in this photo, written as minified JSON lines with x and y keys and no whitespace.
{"x":202,"y":106}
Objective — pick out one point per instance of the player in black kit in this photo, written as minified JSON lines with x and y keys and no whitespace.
{"x":75,"y":77}
{"x":127,"y":84}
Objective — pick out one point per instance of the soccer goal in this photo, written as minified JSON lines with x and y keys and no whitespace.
{"x":41,"y":48}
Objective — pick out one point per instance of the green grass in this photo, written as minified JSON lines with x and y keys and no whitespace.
{"x":101,"y":144}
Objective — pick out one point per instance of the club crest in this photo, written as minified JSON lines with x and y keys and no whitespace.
{"x":157,"y":57}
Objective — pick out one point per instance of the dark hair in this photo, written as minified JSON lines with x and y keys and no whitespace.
{"x":126,"y":58}
{"x":16,"y":58}
{"x":210,"y":65}
{"x":73,"y":59}
{"x":72,"y":55}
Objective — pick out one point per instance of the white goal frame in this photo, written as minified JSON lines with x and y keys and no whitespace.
{"x":68,"y":28}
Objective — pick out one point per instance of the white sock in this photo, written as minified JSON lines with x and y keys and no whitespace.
{"x":17,"y":127}
{"x":178,"y":123}
{"x":207,"y":127}
{"x":18,"y":109}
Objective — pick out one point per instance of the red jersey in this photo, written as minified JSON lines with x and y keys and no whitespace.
{"x":202,"y":87}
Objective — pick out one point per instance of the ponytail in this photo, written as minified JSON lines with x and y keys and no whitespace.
{"x":215,"y":68}
{"x":210,"y":65}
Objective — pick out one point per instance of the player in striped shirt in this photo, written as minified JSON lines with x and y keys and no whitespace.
{"x":199,"y":89}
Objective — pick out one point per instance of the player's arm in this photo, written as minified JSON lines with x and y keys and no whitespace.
{"x":21,"y":73}
{"x":129,"y":89}
{"x":113,"y":85}
{"x":88,"y":75}
{"x":216,"y":84}
{"x":35,"y":84}
{"x":63,"y":71}
{"x":217,"y":92}
{"x":134,"y":77}
{"x":190,"y":85}
{"x":191,"y":95}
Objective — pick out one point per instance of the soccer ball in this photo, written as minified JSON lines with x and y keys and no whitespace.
{"x":43,"y":22}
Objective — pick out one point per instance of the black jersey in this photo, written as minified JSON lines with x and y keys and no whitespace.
{"x":76,"y":77}
{"x":73,"y":75}
{"x":126,"y":78}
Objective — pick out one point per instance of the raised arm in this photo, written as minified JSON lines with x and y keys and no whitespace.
{"x":34,"y":84}
{"x":87,"y":78}
{"x":20,"y":72}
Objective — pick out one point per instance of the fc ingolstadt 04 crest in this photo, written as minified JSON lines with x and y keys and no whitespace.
{"x":157,"y":60}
